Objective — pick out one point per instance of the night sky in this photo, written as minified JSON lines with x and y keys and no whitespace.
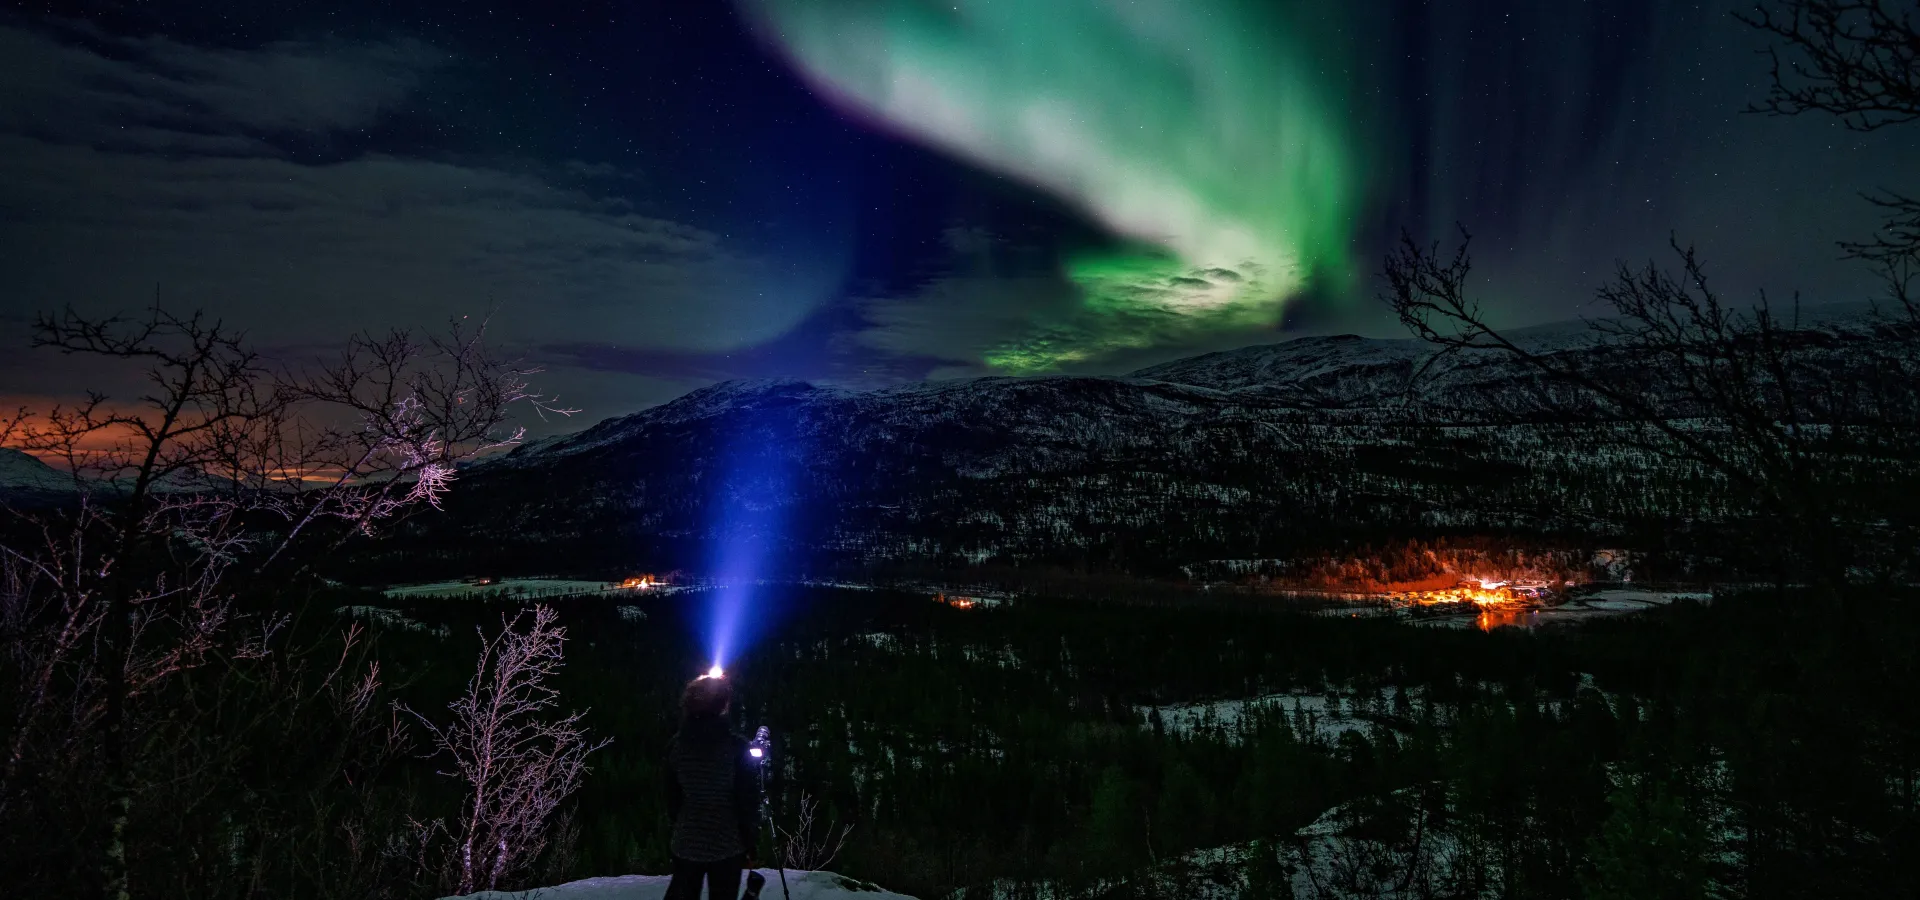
{"x":651,"y":196}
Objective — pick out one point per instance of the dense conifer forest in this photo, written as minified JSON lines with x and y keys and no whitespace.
{"x":1766,"y":741}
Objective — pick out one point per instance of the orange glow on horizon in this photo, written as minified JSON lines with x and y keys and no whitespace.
{"x":96,"y":449}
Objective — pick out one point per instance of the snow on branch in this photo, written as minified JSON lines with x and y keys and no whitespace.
{"x":518,"y":757}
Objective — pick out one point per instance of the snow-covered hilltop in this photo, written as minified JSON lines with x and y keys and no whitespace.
{"x":21,"y":471}
{"x":1339,"y":370}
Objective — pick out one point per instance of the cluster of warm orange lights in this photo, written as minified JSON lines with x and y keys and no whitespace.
{"x":639,"y":584}
{"x":955,"y":602}
{"x":1485,"y":593}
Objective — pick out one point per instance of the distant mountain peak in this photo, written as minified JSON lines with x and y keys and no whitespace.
{"x":20,"y":470}
{"x":747,"y":389}
{"x":693,"y":406}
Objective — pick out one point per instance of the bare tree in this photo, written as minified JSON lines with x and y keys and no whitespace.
{"x":414,"y":409}
{"x":113,"y":594}
{"x":1390,"y":848}
{"x":813,"y":842}
{"x":1815,"y":439}
{"x":1858,"y":61}
{"x":308,"y":724}
{"x":519,"y":760}
{"x":1741,"y":392}
{"x":206,"y":387}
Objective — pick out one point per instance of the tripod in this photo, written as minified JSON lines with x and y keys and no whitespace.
{"x":763,"y":751}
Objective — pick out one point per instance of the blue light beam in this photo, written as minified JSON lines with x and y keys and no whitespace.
{"x":748,"y":514}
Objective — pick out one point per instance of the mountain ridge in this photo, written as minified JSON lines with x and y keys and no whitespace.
{"x":1261,"y":453}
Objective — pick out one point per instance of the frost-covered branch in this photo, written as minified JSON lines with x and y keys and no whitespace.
{"x":109,"y":597}
{"x":402,"y":414}
{"x":812,"y":843}
{"x":518,"y":757}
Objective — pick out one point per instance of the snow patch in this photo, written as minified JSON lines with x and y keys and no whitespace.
{"x":1326,"y":715}
{"x":511,"y":587}
{"x":803,"y":885}
{"x":389,"y":618}
{"x":1625,"y":598}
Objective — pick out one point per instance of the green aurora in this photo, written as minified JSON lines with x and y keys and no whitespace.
{"x":1214,"y":135}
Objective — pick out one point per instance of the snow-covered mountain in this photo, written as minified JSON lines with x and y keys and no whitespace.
{"x":1333,"y":371}
{"x":21,"y":471}
{"x":24,"y":476}
{"x":1247,"y":454}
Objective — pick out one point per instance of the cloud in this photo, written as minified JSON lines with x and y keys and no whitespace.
{"x":294,"y":86}
{"x":961,"y":318}
{"x":368,"y":240}
{"x":158,"y":94}
{"x":136,"y":163}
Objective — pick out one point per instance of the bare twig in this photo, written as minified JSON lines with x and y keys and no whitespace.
{"x":519,"y":760}
{"x":812,"y":843}
{"x":1750,"y":396}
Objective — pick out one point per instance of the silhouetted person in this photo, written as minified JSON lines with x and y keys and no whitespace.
{"x":713,"y":796}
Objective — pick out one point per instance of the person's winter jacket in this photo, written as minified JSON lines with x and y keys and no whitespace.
{"x":713,"y":792}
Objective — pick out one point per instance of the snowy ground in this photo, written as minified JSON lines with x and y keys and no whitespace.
{"x":1324,"y":861}
{"x":1610,"y":602}
{"x":804,"y":886}
{"x":387,"y":618}
{"x":1348,"y":853}
{"x":1628,"y":599}
{"x":1003,"y":657}
{"x":1327,"y":714}
{"x":520,"y":587}
{"x":1331,"y":711}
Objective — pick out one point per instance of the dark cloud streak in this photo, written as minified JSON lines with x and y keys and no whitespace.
{"x":144,"y":164}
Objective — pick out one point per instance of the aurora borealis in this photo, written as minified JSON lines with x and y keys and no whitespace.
{"x":1207,"y":131}
{"x":654,"y":197}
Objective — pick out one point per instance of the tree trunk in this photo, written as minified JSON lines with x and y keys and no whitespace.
{"x":113,"y":747}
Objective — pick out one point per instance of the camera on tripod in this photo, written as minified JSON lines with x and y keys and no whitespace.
{"x":760,"y":750}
